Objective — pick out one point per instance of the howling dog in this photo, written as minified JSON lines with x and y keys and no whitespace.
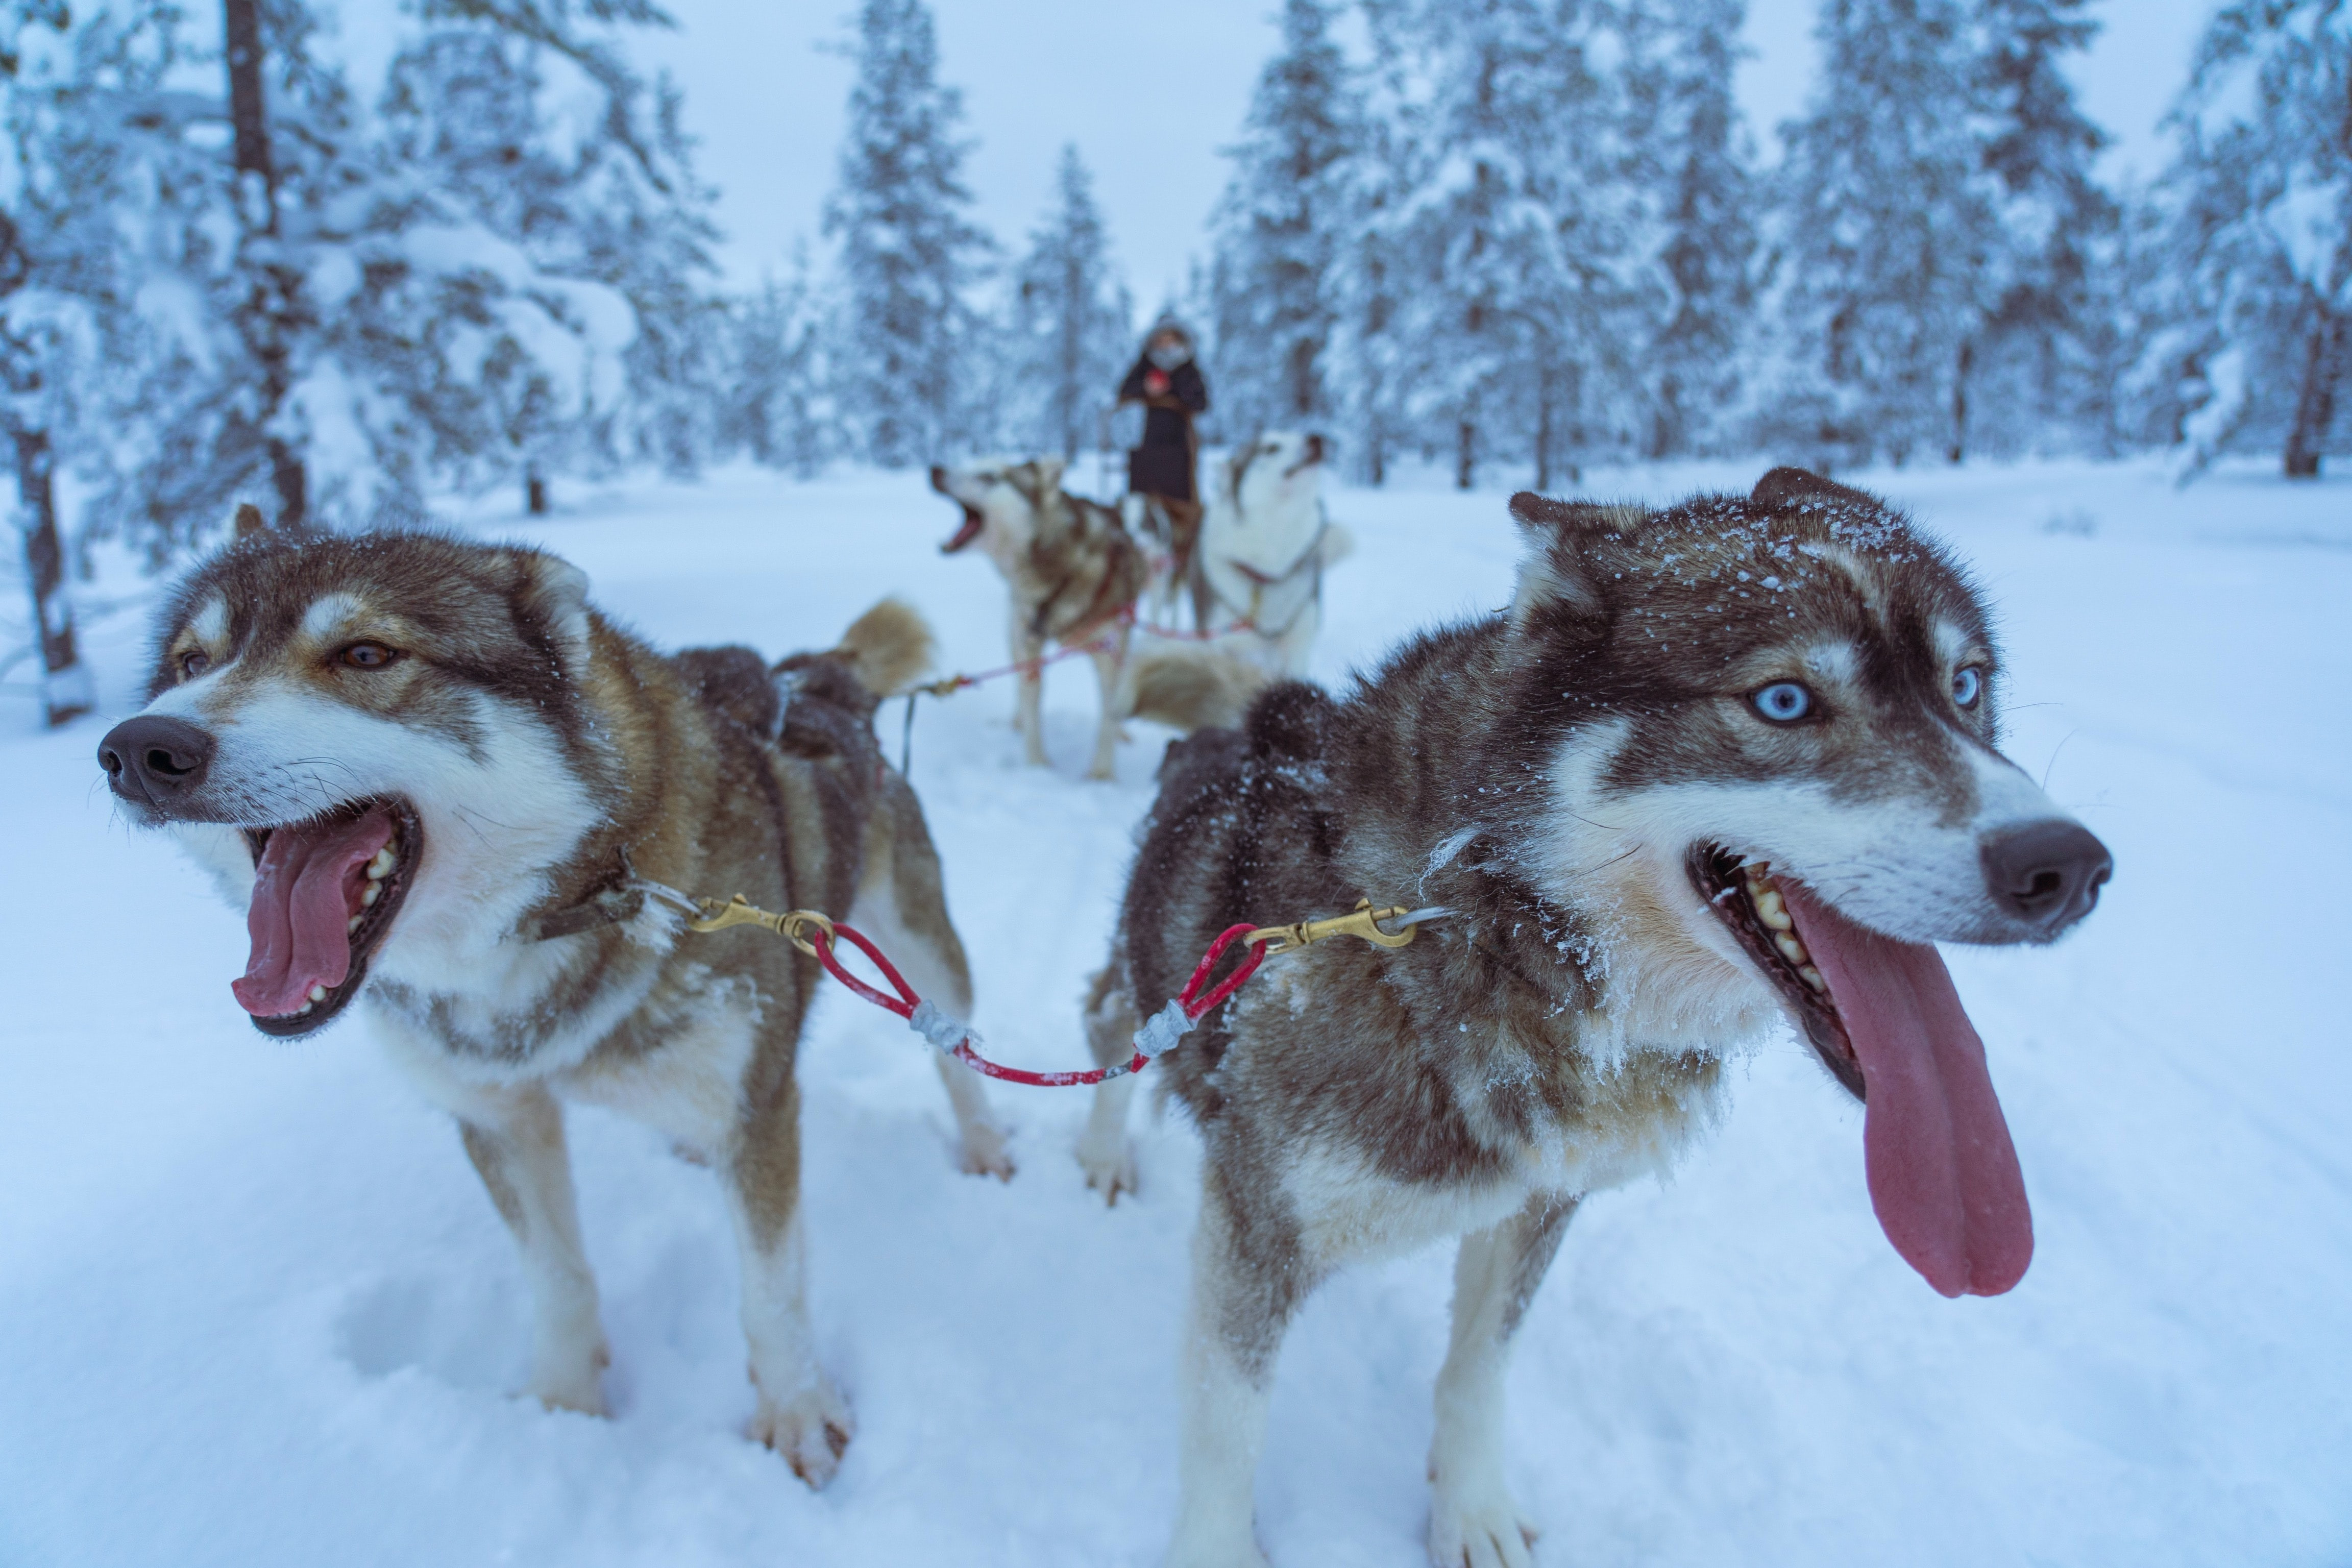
{"x":1076,"y":574}
{"x":1717,"y":768}
{"x":442,"y":786}
{"x":1265,"y":546}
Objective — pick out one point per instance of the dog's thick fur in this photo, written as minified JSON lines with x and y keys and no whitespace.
{"x":1265,"y":546}
{"x":1567,"y":779}
{"x":1076,"y":574}
{"x":538,"y":760}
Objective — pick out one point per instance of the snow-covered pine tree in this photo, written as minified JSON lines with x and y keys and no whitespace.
{"x":908,"y":250}
{"x":1888,"y":240}
{"x":1698,"y":167}
{"x":1069,"y":321}
{"x":1281,"y":228}
{"x":538,"y":130}
{"x":2043,"y":372}
{"x":776,"y":410}
{"x":1520,"y":223}
{"x":26,"y":366}
{"x":2263,"y":184}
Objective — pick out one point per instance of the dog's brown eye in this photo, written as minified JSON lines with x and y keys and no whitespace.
{"x":368,"y":656}
{"x":191,"y":665}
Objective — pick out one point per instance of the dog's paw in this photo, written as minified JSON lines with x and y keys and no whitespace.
{"x":811,"y":1430}
{"x":1214,"y":1549}
{"x":1110,"y":1166}
{"x":1479,"y":1528}
{"x":577,"y":1383}
{"x":983,"y":1153}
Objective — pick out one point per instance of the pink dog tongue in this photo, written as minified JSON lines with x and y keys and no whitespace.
{"x":1943,"y":1173}
{"x":305,"y":892}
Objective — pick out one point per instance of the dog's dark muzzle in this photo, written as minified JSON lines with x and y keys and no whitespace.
{"x":154,"y":761}
{"x":2045,"y":875}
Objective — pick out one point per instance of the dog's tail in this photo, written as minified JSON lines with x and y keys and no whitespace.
{"x":1192,"y":688}
{"x":887,"y":646}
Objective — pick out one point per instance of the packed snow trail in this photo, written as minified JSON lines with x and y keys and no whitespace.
{"x":254,"y":1307}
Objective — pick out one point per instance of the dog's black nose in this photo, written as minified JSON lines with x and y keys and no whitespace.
{"x":2047,"y":874}
{"x":938,"y":478}
{"x":154,"y":759}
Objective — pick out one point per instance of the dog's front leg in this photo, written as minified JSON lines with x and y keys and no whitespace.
{"x":515,"y":1139}
{"x":1108,"y":663}
{"x":1244,"y":1287}
{"x":1473,"y":1519}
{"x":1105,"y":1153}
{"x":799,"y":1414}
{"x":1028,"y":699}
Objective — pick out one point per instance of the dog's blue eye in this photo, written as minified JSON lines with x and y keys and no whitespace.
{"x":1783,"y":701}
{"x":1968,"y":684}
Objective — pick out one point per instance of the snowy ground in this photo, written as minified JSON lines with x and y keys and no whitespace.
{"x":255,"y":1309}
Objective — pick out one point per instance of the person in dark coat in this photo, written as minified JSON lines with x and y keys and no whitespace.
{"x":1167,"y":381}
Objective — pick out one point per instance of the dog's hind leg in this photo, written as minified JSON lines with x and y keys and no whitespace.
{"x":515,"y":1139}
{"x":902,"y":904}
{"x":1248,"y":1277}
{"x":1473,"y":1519}
{"x":801,"y":1415}
{"x":1105,"y":1152}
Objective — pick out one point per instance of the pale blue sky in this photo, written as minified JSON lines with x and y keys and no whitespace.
{"x":1150,"y":92}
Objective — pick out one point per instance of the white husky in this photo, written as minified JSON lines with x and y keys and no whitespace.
{"x":1264,"y":544}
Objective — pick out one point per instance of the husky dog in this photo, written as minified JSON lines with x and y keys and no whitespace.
{"x":1264,"y":545}
{"x":1076,"y":574}
{"x":1717,"y":768}
{"x":441,"y":785}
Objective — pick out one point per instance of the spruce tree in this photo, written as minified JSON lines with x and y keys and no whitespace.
{"x":2263,"y":186}
{"x":1069,"y":321}
{"x":1281,"y":228}
{"x":2044,"y":370}
{"x":1889,"y":240}
{"x":1698,"y":167}
{"x":775,"y":410}
{"x":909,"y":249}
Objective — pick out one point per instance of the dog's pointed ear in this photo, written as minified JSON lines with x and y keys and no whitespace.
{"x":553,"y":593}
{"x":1785,"y":488}
{"x":1049,"y":475}
{"x":1565,"y":540}
{"x":249,"y":521}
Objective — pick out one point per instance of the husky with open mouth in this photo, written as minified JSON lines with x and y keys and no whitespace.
{"x":1718,"y":768}
{"x":444,"y":789}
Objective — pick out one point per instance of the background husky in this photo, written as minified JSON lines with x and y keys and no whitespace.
{"x":432,"y":772}
{"x":1076,"y":574}
{"x":1717,"y":767}
{"x":1264,"y":544}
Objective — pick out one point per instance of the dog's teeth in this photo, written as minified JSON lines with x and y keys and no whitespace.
{"x":352,"y":924}
{"x":304,"y":1008}
{"x":1791,"y":948}
{"x":1812,"y":977}
{"x":371,"y":892}
{"x":380,"y":866}
{"x":318,"y":994}
{"x":1773,"y":911}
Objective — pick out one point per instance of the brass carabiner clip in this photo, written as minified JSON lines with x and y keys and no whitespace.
{"x":739,"y":910}
{"x":1365,"y":922}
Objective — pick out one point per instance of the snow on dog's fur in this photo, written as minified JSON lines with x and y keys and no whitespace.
{"x":1264,"y":545}
{"x":1076,"y":574}
{"x":1716,"y":767}
{"x":437,"y":780}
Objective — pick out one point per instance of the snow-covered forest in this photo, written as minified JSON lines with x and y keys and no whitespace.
{"x":1499,"y":236}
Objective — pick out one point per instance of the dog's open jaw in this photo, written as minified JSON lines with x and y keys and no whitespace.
{"x":325,"y":890}
{"x":973,"y":522}
{"x":1883,"y":1015}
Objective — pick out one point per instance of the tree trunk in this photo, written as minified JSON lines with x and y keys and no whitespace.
{"x":1465,"y":455}
{"x":1959,"y":451}
{"x":64,"y":679}
{"x":534,"y":492}
{"x":2315,"y":406}
{"x":271,"y":301}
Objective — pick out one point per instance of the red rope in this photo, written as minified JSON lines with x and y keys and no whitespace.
{"x":1196,"y":1003}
